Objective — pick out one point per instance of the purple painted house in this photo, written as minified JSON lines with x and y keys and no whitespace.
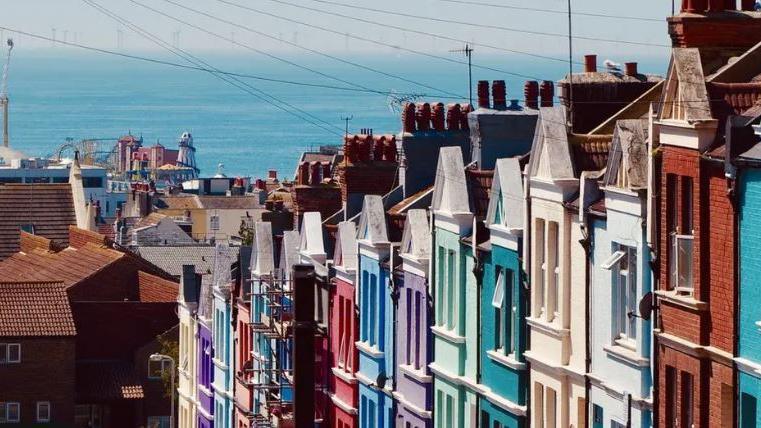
{"x":414,"y":382}
{"x":205,"y":350}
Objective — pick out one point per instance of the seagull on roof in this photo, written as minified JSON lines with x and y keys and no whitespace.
{"x":612,"y":66}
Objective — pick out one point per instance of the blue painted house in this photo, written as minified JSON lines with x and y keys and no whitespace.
{"x":222,"y":336}
{"x":504,"y":300}
{"x":376,"y":335}
{"x":748,"y":360}
{"x":621,"y":373}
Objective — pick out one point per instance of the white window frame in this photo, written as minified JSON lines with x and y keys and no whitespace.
{"x":341,"y":333}
{"x":6,"y":409}
{"x":553,"y":288}
{"x":623,"y":265}
{"x":214,"y":222}
{"x":5,"y":353}
{"x":688,"y":286}
{"x":498,"y":302}
{"x":540,"y":267}
{"x":40,"y":405}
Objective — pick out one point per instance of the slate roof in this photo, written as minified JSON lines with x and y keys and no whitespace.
{"x":506,"y":196}
{"x":178,"y":202}
{"x":450,"y":192}
{"x":479,"y":183}
{"x":49,"y":207}
{"x":103,"y":381}
{"x":346,"y":246}
{"x":416,"y":241}
{"x":372,"y":222}
{"x":34,"y":309}
{"x":171,"y":259}
{"x":629,"y":151}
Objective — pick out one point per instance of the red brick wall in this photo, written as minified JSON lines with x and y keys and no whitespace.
{"x":377,"y":178}
{"x":714,"y":282}
{"x":681,"y":362}
{"x":46,"y":373}
{"x":321,"y":198}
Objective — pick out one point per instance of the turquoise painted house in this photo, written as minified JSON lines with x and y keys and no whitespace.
{"x":455,"y":334}
{"x":504,"y":300}
{"x":375,"y":345}
{"x":748,"y":360}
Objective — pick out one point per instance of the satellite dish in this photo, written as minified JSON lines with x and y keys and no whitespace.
{"x":646,"y":306}
{"x":381,"y":380}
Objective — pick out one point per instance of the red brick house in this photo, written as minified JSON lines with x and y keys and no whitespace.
{"x":36,"y":354}
{"x":118,"y":305}
{"x":696,"y":325}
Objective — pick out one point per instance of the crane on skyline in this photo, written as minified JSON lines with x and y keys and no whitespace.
{"x":4,"y":94}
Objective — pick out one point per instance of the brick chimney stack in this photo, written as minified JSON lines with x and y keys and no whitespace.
{"x":499,"y":94}
{"x":590,"y":63}
{"x":304,"y":173}
{"x":531,"y":94}
{"x":631,"y":69}
{"x":272,"y":174}
{"x":547,"y":93}
{"x":483,"y":94}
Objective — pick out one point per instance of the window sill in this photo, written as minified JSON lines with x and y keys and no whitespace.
{"x":506,"y":360}
{"x":626,"y":355}
{"x":448,"y":335}
{"x":549,"y":328}
{"x":368,"y":349}
{"x":688,"y":302}
{"x":418,"y":375}
{"x":344,"y":375}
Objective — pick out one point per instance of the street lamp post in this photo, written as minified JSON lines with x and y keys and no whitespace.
{"x":161,"y":358}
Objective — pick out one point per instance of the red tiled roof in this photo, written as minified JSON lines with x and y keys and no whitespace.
{"x":155,"y":289}
{"x":590,"y":152}
{"x":48,"y":207}
{"x":35,"y":309}
{"x":733,"y":98}
{"x":103,"y":381}
{"x":480,"y":186}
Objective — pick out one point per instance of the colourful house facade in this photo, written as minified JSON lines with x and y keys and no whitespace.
{"x":621,"y":375}
{"x":205,"y":351}
{"x":454,"y":330}
{"x":504,"y":302}
{"x":344,"y":330}
{"x":187,"y":307}
{"x":414,"y":389}
{"x":222,"y":337}
{"x":375,"y":373}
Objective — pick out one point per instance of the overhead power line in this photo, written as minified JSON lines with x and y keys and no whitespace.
{"x":554,"y":11}
{"x":206,"y":69}
{"x":234,"y":81}
{"x":315,"y":51}
{"x":487,"y":26}
{"x":400,"y":48}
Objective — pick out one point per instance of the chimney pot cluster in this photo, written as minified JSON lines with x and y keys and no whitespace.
{"x":272,"y":174}
{"x":358,"y":148}
{"x":546,"y":93}
{"x":702,"y":6}
{"x":424,"y":117}
{"x":590,"y":63}
{"x":260,"y":184}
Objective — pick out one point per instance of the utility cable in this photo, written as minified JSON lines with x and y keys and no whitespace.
{"x":205,"y":69}
{"x":267,"y":98}
{"x":317,"y":52}
{"x":483,"y":26}
{"x":404,"y":49}
{"x":553,"y":11}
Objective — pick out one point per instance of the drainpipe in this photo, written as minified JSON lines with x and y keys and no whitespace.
{"x":653,"y":194}
{"x":526,"y":285}
{"x":478,"y":273}
{"x":586,"y":245}
{"x":731,"y":173}
{"x":430,"y":308}
{"x":395,"y":319}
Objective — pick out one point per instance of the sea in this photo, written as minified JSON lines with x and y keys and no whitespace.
{"x":65,"y":95}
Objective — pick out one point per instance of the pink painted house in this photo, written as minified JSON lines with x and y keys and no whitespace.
{"x":344,"y":330}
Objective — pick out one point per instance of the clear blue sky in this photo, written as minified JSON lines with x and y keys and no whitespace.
{"x":74,"y":19}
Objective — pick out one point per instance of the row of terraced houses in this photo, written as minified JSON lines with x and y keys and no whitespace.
{"x":587,"y":262}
